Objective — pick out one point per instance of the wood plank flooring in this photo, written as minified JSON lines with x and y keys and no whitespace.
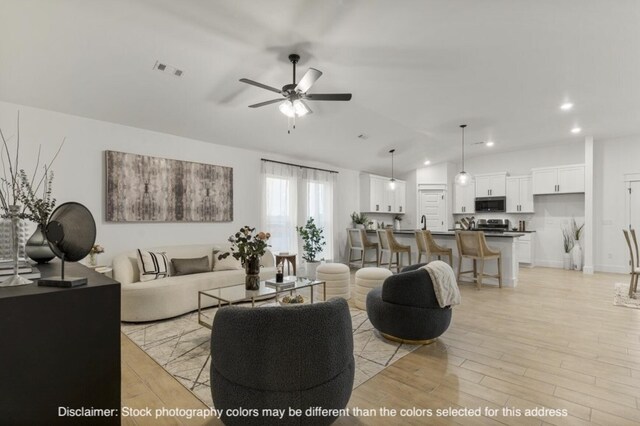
{"x":556,"y":342}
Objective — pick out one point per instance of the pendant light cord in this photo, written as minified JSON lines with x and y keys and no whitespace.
{"x":463,"y":126}
{"x":392,"y":151}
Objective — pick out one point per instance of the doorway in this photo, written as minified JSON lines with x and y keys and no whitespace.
{"x":432,"y":204}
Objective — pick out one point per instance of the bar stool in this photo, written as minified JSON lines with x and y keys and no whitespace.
{"x":359,"y":242}
{"x":473,"y":245}
{"x":428,"y":246}
{"x":389,"y":245}
{"x":633,"y":255}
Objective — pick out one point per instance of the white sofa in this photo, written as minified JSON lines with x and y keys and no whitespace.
{"x":174,"y":295}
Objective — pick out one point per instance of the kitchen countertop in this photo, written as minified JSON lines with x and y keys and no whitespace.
{"x":452,"y":233}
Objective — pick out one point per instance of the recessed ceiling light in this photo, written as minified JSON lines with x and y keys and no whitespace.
{"x":566,"y":106}
{"x":490,"y":143}
{"x":576,"y":130}
{"x":426,"y":163}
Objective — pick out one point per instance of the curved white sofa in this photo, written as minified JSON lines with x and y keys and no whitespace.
{"x":174,"y":295}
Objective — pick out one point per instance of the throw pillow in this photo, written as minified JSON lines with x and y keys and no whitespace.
{"x":191,"y":266}
{"x":152,"y":265}
{"x":230,"y":263}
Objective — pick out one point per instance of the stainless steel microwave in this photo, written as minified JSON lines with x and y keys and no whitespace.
{"x":491,"y":204}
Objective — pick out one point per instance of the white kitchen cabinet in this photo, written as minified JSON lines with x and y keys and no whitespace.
{"x":525,"y":249}
{"x":376,"y":196}
{"x":491,"y":185}
{"x":464,"y":198}
{"x":519,"y":194}
{"x":558,"y":180}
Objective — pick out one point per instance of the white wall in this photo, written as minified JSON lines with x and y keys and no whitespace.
{"x":612,"y":160}
{"x":79,"y":176}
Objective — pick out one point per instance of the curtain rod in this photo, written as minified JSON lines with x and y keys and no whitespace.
{"x":298,"y":165}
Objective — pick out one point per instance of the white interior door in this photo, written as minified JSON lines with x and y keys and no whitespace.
{"x":433,"y":205}
{"x":634,"y":205}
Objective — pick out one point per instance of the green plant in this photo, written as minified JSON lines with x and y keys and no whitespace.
{"x":576,"y":230}
{"x":313,"y":240}
{"x":359,"y":219}
{"x":567,"y":237}
{"x":37,"y":209}
{"x":398,"y":218}
{"x":247,"y":244}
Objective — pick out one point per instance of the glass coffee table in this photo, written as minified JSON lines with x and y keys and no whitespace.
{"x":237,"y":293}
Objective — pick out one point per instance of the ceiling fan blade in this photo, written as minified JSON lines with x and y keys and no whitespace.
{"x":328,"y":97}
{"x":263,"y":86}
{"x":308,"y":79}
{"x":272,"y":101}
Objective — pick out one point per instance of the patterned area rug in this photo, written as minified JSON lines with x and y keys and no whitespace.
{"x":181,"y":346}
{"x":622,"y":298}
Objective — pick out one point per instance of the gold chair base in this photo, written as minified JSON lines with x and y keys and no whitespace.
{"x":407,"y":341}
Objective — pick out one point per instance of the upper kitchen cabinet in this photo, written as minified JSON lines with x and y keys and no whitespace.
{"x":491,"y":185}
{"x":376,"y":196}
{"x":558,"y":180}
{"x":464,"y":198}
{"x":519,"y":194}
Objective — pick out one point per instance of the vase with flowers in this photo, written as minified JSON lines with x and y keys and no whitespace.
{"x":93,"y":254}
{"x":13,"y":195}
{"x":248,"y":246}
{"x":38,"y":210}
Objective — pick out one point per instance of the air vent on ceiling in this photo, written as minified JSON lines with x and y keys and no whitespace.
{"x":168,"y":69}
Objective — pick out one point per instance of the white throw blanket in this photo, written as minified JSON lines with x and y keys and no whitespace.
{"x":444,"y":283}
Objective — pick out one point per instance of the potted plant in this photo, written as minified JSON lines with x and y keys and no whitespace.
{"x":567,"y":238}
{"x":38,"y":209}
{"x":248,"y":246}
{"x":396,"y":222}
{"x":359,"y":220}
{"x":576,"y":250}
{"x":313,"y":242}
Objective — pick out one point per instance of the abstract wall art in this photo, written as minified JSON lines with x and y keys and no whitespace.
{"x":140,"y":188}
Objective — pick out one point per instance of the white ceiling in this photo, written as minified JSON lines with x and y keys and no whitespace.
{"x":417,"y":69}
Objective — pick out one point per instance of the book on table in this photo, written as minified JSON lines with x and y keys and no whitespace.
{"x":287,"y":282}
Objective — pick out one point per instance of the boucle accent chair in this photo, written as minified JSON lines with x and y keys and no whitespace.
{"x":280,"y":357}
{"x":405,"y":308}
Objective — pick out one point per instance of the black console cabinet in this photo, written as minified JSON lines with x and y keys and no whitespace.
{"x":60,"y":348}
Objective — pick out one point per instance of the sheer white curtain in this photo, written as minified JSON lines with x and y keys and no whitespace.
{"x":292,"y":194}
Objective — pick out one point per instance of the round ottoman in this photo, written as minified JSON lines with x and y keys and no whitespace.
{"x":366,"y":280}
{"x":338,"y":279}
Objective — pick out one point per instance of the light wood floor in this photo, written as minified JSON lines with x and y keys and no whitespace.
{"x":555,"y":341}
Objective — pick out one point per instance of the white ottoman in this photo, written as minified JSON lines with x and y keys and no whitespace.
{"x":366,"y":280}
{"x":338,"y":279}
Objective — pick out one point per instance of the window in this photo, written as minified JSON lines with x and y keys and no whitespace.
{"x":292,"y":194}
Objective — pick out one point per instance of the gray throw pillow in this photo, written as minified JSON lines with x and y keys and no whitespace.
{"x":191,"y":266}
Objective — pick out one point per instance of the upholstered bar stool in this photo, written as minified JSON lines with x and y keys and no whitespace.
{"x":473,"y":245}
{"x":366,"y":280}
{"x":389,"y":245}
{"x":359,"y":242}
{"x":428,"y":247}
{"x":337,"y":278}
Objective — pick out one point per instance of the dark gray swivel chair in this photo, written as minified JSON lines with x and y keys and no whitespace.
{"x":405,"y":308}
{"x":281,"y":357}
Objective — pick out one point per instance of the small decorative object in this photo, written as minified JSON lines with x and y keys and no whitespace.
{"x":38,"y":211}
{"x":16,"y":188}
{"x":71,"y":232}
{"x":313,"y":243}
{"x":279,"y":273}
{"x":396,"y":222}
{"x":359,"y":220}
{"x":576,"y":251}
{"x":567,"y":239}
{"x":93,"y":254}
{"x":248,"y":247}
{"x":293,"y":300}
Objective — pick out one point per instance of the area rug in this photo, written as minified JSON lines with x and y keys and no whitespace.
{"x":622,"y":298}
{"x":181,"y":346}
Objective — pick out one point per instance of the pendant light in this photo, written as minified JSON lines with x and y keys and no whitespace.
{"x":463,"y":178}
{"x":392,"y":181}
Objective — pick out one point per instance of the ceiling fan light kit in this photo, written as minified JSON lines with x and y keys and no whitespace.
{"x":295,"y":94}
{"x":463,"y":178}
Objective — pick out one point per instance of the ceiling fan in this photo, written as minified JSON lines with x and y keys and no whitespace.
{"x":293,"y":105}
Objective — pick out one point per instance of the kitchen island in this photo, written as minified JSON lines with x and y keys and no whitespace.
{"x":506,"y":242}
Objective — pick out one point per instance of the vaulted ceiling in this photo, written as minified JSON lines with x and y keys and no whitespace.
{"x":417,"y":69}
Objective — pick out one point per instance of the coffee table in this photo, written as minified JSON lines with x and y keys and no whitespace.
{"x":237,"y":293}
